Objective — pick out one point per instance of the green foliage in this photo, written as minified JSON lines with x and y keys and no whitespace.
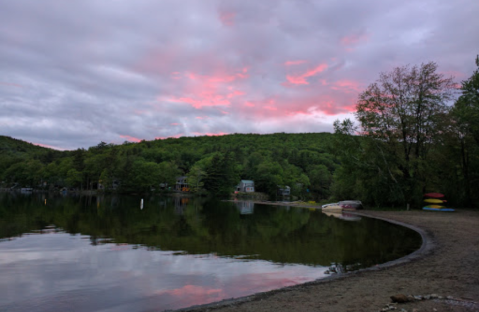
{"x":221,"y":174}
{"x":145,"y":174}
{"x":410,"y":141}
{"x":399,"y":117}
{"x":196,"y":177}
{"x":457,"y":164}
{"x":215,"y":164}
{"x":466,"y":108}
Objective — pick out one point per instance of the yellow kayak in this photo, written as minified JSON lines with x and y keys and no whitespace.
{"x":435,"y":206}
{"x":434,"y":201}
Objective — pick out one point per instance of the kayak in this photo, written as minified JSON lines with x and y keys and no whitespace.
{"x":438,"y":209}
{"x":434,"y":195}
{"x":435,"y":206}
{"x":435,"y":201}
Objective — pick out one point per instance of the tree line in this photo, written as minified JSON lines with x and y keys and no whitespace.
{"x":211,"y":164}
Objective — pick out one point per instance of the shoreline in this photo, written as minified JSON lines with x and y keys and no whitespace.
{"x":446,"y":242}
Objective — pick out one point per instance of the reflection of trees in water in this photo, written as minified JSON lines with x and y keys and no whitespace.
{"x":196,"y":226}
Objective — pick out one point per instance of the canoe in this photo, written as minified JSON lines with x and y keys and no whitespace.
{"x":438,"y":209}
{"x":435,"y":206}
{"x":435,"y":201}
{"x":434,"y":195}
{"x":327,"y":205}
{"x":334,"y":208}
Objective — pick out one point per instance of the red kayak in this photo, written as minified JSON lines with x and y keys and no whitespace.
{"x":434,"y":195}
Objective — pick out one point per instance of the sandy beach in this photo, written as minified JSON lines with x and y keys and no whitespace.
{"x":446,"y":267}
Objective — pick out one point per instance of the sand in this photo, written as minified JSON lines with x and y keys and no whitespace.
{"x":447,"y":265}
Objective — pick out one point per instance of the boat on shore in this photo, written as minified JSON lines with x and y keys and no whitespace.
{"x":438,"y":209}
{"x":332,"y":208}
{"x":351,"y":204}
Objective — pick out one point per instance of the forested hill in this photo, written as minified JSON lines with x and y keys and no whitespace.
{"x":18,"y":148}
{"x":212,"y":163}
{"x":13,"y":151}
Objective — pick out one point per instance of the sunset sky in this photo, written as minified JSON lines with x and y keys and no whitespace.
{"x":75,"y":73}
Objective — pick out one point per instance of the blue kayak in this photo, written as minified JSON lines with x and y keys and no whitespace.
{"x":438,"y":209}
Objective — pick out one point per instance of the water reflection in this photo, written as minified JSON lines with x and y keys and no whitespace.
{"x":245,"y":207}
{"x":108,"y":254}
{"x":343,"y":215}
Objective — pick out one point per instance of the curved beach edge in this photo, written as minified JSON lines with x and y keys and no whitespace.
{"x":427,"y":248}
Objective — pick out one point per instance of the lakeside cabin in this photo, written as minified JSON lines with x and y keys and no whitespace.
{"x":246,"y":186}
{"x":284,"y":191}
{"x":181,"y":184}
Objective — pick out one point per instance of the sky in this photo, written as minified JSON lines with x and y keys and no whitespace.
{"x":76,"y":73}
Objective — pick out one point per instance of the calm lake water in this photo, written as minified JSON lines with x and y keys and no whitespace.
{"x":111,"y":254}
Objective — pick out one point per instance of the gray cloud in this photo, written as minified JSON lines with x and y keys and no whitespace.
{"x":77,"y":73}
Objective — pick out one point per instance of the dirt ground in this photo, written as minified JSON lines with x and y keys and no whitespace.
{"x":447,"y":265}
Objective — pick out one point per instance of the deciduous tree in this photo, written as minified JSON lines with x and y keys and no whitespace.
{"x":400,"y":119}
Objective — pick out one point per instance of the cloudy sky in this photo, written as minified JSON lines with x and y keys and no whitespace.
{"x":74,"y":73}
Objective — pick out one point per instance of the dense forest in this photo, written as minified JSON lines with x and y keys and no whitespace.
{"x":214,"y":164}
{"x":418,"y":132}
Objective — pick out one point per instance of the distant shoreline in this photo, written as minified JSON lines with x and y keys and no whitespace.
{"x":299,"y":204}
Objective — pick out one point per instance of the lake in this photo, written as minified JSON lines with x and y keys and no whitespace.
{"x":122,"y":253}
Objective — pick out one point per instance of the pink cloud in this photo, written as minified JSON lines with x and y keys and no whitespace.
{"x":175,"y":75}
{"x":301,"y":78}
{"x":130,"y":138}
{"x":227,"y":18}
{"x":48,"y":146}
{"x":347,"y":86}
{"x":205,"y":100}
{"x":322,"y":102}
{"x":174,"y":124}
{"x":324,"y":105}
{"x":269,"y":107}
{"x":176,"y":136}
{"x":210,"y":134}
{"x":354,"y":39}
{"x":297,"y":62}
{"x":234,"y":93}
{"x":8,"y":84}
{"x":219,"y":77}
{"x":216,"y":89}
{"x":455,"y":74}
{"x":139,"y":112}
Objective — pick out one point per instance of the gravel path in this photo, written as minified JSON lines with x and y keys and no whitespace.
{"x":447,"y":265}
